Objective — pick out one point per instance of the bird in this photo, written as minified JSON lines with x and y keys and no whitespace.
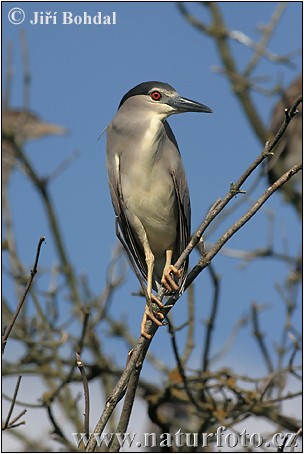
{"x":149,"y":188}
{"x":289,"y":149}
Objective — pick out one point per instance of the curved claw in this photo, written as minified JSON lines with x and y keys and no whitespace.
{"x":156,"y":300}
{"x":168,"y":281}
{"x":149,"y":315}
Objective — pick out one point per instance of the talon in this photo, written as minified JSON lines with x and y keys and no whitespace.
{"x":143,"y":328}
{"x":151,"y":316}
{"x":156,"y":300}
{"x":168,"y":281}
{"x":160,"y":315}
{"x":174,"y":270}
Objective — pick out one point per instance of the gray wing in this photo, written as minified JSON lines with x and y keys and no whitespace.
{"x":183,"y":200}
{"x":113,"y":169}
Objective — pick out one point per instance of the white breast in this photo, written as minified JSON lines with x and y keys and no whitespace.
{"x":149,"y":192}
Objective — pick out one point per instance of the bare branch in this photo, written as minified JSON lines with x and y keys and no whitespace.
{"x":80,"y":366}
{"x":128,"y":404}
{"x":21,"y":302}
{"x":204,"y":261}
{"x":41,"y":186}
{"x":239,"y":84}
{"x":211,"y":321}
{"x":260,"y":48}
{"x":9,"y":424}
{"x":180,"y":367}
{"x":260,"y":338}
{"x":190,"y":333}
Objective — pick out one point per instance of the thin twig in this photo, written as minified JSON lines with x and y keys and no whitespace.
{"x":293,"y":354}
{"x":23,"y":404}
{"x":261,"y":46}
{"x":229,"y":342}
{"x":86,"y":315}
{"x":78,"y":349}
{"x":23,"y":298}
{"x":190,"y":332}
{"x":62,"y":166}
{"x":136,"y":360}
{"x":13,"y":423}
{"x":205,"y":261}
{"x":57,"y":430}
{"x":234,"y":206}
{"x":239,"y":85}
{"x":211,"y":321}
{"x":180,"y":367}
{"x":84,"y":378}
{"x":293,"y":444}
{"x":42,"y":188}
{"x":9,"y":424}
{"x":127,"y":406}
{"x":260,"y":338}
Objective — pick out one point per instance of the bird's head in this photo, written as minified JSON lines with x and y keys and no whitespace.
{"x":159,"y":99}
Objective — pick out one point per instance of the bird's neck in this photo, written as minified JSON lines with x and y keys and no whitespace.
{"x":153,"y":131}
{"x":150,"y":141}
{"x":143,"y":135}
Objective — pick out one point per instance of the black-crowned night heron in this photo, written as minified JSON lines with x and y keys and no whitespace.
{"x":148,"y":185}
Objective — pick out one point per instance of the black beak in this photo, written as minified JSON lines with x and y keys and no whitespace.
{"x":187,"y":105}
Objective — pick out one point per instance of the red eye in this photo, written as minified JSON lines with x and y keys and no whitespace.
{"x":156,"y":96}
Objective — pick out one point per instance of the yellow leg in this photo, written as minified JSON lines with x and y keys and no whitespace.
{"x":149,"y":257}
{"x":148,"y":314}
{"x":167,"y":280}
{"x":150,"y":265}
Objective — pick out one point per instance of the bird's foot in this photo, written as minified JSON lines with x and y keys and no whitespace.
{"x":156,"y":300}
{"x":148,"y":315}
{"x":167,"y":279}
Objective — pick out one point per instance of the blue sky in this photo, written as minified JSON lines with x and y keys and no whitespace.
{"x":79,"y":74}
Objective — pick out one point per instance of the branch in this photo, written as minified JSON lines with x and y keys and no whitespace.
{"x":135,"y":362}
{"x":190,"y":332}
{"x":80,"y":366}
{"x":239,"y":84}
{"x":260,"y":48}
{"x":180,"y":367}
{"x":78,"y":349}
{"x":204,"y":261}
{"x":10,"y":424}
{"x":260,"y":338}
{"x":57,"y":429}
{"x":292,"y":357}
{"x":9,"y":328}
{"x":127,"y":406}
{"x":210,"y":322}
{"x":42,"y":187}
